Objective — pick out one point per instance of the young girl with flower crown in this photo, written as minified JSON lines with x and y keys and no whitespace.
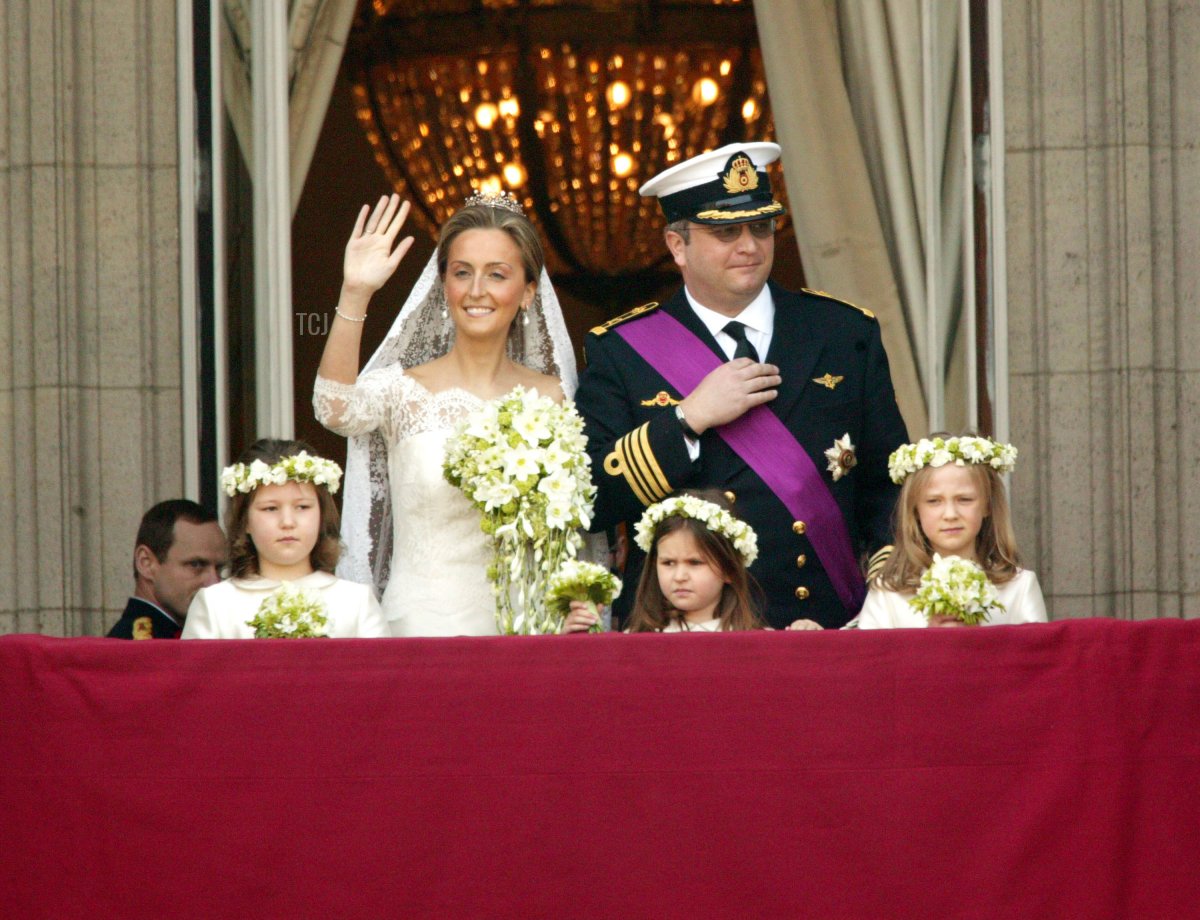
{"x":695,"y":578}
{"x":282,"y":528}
{"x":952,"y":503}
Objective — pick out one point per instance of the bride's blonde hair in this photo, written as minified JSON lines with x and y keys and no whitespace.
{"x":484,"y":217}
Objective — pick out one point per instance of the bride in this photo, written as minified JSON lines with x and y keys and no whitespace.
{"x":482,"y":319}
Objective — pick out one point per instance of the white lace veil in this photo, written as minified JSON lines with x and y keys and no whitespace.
{"x":421,"y":333}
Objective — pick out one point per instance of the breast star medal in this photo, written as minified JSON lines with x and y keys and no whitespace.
{"x":841,"y":457}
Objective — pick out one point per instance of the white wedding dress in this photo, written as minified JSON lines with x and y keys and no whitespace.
{"x":438,"y":580}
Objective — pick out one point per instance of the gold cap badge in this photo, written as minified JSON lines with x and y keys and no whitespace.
{"x":741,"y":176}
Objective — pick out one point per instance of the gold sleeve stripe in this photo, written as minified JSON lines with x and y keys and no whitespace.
{"x":876,"y":562}
{"x":644,"y":458}
{"x":635,"y":468}
{"x":617,"y":463}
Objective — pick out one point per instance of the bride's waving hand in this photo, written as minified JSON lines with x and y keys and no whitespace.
{"x":372,"y":257}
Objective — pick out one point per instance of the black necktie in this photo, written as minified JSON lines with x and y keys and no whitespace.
{"x":737,"y":332}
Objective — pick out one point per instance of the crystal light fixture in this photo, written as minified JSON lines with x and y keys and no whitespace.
{"x":570,"y":106}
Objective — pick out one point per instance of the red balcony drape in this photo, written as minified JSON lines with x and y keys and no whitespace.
{"x":1035,"y":771}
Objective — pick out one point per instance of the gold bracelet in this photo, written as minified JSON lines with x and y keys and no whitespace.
{"x":361,"y":319}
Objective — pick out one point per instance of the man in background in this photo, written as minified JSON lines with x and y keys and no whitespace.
{"x":179,"y":550}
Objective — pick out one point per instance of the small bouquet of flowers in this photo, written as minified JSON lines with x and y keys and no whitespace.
{"x":957,"y":588}
{"x":581,"y":581}
{"x":522,"y":461}
{"x":289,"y":612}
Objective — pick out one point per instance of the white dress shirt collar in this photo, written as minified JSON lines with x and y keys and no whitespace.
{"x":758,"y":317}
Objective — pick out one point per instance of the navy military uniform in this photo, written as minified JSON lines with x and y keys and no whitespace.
{"x":835,"y":381}
{"x":142,"y":620}
{"x":639,"y":455}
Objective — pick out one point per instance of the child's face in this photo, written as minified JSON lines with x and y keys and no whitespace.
{"x":688,"y":580}
{"x":951,"y":510}
{"x":284,"y":523}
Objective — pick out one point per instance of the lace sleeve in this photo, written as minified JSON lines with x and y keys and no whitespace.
{"x":361,"y":407}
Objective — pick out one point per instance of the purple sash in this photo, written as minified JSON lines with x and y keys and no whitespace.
{"x":764,"y":442}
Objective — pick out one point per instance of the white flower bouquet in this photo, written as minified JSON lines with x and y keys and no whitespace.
{"x":289,"y":612}
{"x":958,"y":588}
{"x":522,"y":461}
{"x":581,"y":581}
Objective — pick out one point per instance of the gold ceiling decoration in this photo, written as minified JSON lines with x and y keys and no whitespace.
{"x":570,"y":106}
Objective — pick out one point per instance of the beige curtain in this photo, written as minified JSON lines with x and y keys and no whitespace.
{"x":847,"y":88}
{"x":317,"y":31}
{"x":916,"y":172}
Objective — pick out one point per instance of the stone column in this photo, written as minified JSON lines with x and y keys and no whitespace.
{"x":89,"y":321}
{"x":1102,"y":104}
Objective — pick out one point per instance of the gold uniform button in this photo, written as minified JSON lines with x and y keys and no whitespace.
{"x":801,"y":560}
{"x":799,"y":527}
{"x":802,"y":593}
{"x":731,"y":497}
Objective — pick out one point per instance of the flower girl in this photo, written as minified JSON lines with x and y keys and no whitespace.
{"x":952,"y":504}
{"x":695,"y":577}
{"x":282,"y":528}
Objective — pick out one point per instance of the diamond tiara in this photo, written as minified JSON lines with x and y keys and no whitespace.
{"x":503,"y":200}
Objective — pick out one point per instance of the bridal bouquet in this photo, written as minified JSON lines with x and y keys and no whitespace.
{"x":958,"y":588}
{"x":290,"y":613}
{"x":522,"y":461}
{"x":581,"y":581}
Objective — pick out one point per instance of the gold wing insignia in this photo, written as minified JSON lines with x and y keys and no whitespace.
{"x":829,"y":380}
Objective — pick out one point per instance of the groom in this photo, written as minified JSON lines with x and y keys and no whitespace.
{"x":784,"y":401}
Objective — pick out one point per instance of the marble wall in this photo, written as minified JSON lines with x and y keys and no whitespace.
{"x":1102,"y":106}
{"x":89,"y":317}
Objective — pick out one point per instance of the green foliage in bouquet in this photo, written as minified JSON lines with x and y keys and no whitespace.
{"x":289,"y":612}
{"x":958,"y":588}
{"x":581,"y":581}
{"x":522,"y":461}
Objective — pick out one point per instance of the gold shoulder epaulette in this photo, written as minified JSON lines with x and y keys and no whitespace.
{"x":617,"y":320}
{"x":863,"y":310}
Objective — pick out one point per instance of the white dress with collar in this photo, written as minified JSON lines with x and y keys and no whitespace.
{"x":223,"y":610}
{"x":1021,"y":597}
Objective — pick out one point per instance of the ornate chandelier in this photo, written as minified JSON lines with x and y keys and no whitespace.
{"x":570,"y":106}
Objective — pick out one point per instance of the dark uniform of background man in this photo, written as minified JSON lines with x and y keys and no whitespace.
{"x":825,"y":376}
{"x":179,"y":550}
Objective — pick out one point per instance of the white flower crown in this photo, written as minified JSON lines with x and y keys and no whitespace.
{"x":302,"y":467}
{"x":714,"y":517}
{"x":936,"y":452}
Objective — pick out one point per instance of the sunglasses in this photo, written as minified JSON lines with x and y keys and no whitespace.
{"x":727,"y":233}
